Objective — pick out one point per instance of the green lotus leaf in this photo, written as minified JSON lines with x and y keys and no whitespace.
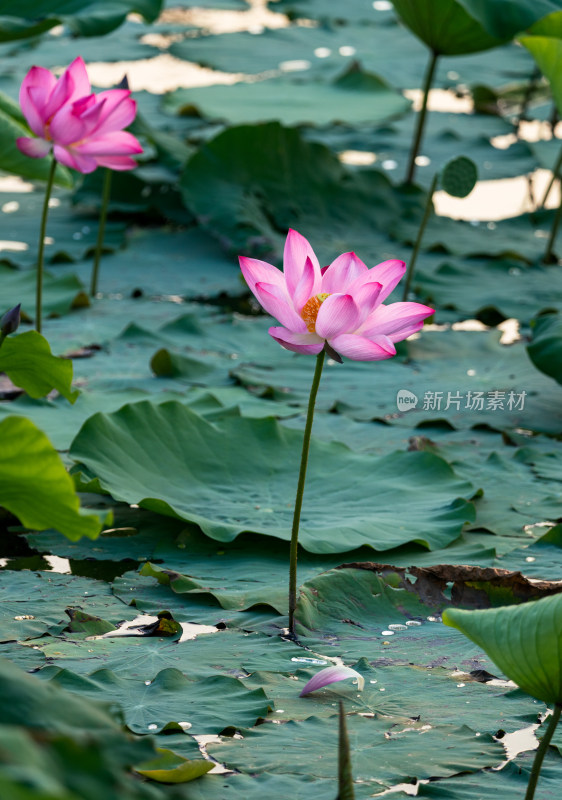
{"x":29,"y":363}
{"x":446,"y":27}
{"x":34,"y":484}
{"x":525,"y":641}
{"x":239,"y":476}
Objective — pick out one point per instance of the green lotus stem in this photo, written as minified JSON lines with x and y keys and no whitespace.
{"x":529,"y":89}
{"x":101,"y":231}
{"x":345,"y":776}
{"x":555,"y":176}
{"x":417,"y":245}
{"x":541,"y":752}
{"x":41,"y":252}
{"x":421,"y":118}
{"x":300,"y":491}
{"x":548,"y":257}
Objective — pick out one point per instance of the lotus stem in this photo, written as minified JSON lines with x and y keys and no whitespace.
{"x":41,"y":251}
{"x":541,"y":752}
{"x":528,"y":93}
{"x":106,"y":192}
{"x":345,"y":776}
{"x":548,"y":257}
{"x":300,"y":491}
{"x":417,"y":245}
{"x":555,"y":176}
{"x":421,"y":117}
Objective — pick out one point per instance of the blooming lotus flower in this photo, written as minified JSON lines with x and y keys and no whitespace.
{"x":84,"y":130}
{"x":332,"y":675}
{"x":341,"y":305}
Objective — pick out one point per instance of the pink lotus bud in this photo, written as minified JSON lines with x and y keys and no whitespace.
{"x":331,"y":675}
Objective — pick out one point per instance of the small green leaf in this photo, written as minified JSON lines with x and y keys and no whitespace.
{"x":29,"y":363}
{"x":172,"y":768}
{"x":167,"y":364}
{"x":525,"y":641}
{"x":459,"y":176}
{"x":35,"y":486}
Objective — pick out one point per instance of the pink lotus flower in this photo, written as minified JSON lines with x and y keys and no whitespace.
{"x":83,"y":129}
{"x":341,"y":305}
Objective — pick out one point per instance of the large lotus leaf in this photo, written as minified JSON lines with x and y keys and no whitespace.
{"x":505,"y":18}
{"x":248,"y":198}
{"x":70,"y":234}
{"x":60,"y":294}
{"x":380,"y":754}
{"x":353,"y":11}
{"x":85,"y":766}
{"x":66,"y":748}
{"x":121,"y":45}
{"x":27,"y":360}
{"x":210,"y":704}
{"x":62,"y":426}
{"x":446,"y":27}
{"x":545,"y":350}
{"x":446,"y":136}
{"x":519,"y":237}
{"x":274,"y":787}
{"x":166,"y":263}
{"x":36,"y":704}
{"x":496,"y":289}
{"x":355,"y":607}
{"x":35,"y":486}
{"x":525,"y":641}
{"x":441,"y":366}
{"x":354,"y":98}
{"x":504,"y":784}
{"x":15,"y":162}
{"x":327,"y":49}
{"x":196,"y":471}
{"x":433,"y":696}
{"x":19,"y":20}
{"x":507,"y":513}
{"x":34,"y":603}
{"x":542,"y":559}
{"x":227,"y":652}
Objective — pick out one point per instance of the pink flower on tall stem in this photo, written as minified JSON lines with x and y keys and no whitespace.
{"x":338,"y":310}
{"x":84,"y":130}
{"x":341,"y":305}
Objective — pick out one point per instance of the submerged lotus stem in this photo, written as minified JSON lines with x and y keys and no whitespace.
{"x":41,"y":252}
{"x":555,"y":176}
{"x":421,"y":118}
{"x":106,"y":192}
{"x":549,"y":257}
{"x":541,"y":752}
{"x":417,"y":245}
{"x":300,"y":491}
